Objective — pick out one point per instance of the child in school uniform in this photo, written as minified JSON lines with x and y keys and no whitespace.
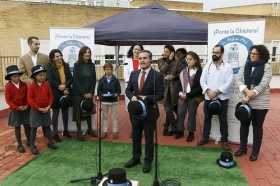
{"x":109,"y":88}
{"x":40,"y":99}
{"x":16,"y":98}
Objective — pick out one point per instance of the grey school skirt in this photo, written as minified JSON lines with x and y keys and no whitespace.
{"x":38,"y":119}
{"x":17,"y":118}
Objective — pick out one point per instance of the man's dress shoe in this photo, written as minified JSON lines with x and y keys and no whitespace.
{"x":147,"y":168}
{"x":132,"y":163}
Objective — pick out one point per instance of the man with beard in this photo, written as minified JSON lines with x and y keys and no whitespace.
{"x":31,"y":59}
{"x":216,"y":79}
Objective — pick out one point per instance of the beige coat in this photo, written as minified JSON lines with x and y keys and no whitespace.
{"x":174,"y":69}
{"x":26,"y":64}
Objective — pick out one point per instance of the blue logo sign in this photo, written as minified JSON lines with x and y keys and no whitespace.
{"x":71,"y":52}
{"x":236,"y":39}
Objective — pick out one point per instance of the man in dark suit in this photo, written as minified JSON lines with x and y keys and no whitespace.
{"x":150,"y":91}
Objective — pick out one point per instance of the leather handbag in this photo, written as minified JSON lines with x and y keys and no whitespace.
{"x":197,"y":99}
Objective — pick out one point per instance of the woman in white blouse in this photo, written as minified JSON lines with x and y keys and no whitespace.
{"x":132,"y":64}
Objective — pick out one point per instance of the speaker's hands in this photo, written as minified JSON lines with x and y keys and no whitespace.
{"x":142,"y":97}
{"x":134,"y":98}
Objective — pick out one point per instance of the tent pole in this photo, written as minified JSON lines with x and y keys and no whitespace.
{"x":117,"y":51}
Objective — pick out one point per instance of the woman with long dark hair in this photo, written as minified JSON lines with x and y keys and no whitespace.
{"x":84,"y":77}
{"x":171,"y":69}
{"x":60,"y":79}
{"x":190,"y":89}
{"x":253,"y":81}
{"x":132,"y":64}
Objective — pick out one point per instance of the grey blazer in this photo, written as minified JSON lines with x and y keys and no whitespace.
{"x":262,"y":100}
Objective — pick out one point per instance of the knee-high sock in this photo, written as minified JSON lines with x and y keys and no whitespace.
{"x":49,"y":134}
{"x":27,"y":130}
{"x":65,"y":119}
{"x":32,"y":137}
{"x":18,"y":135}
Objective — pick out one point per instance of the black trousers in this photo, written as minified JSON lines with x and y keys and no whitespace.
{"x":137,"y":128}
{"x":257,"y":123}
{"x":55,"y":119}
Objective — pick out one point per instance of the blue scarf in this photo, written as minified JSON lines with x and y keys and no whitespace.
{"x":253,"y":77}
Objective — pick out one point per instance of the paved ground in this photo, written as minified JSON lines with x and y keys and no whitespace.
{"x":265,"y":171}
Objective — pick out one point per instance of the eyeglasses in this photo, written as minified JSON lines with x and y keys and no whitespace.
{"x":213,"y":52}
{"x":254,"y":54}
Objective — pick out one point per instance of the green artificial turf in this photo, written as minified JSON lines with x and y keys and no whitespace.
{"x":75,"y":159}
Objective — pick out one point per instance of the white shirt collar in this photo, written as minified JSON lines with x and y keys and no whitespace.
{"x":16,"y":84}
{"x":146,"y":70}
{"x":32,"y":55}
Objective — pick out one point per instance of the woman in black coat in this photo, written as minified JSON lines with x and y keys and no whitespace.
{"x":60,"y":79}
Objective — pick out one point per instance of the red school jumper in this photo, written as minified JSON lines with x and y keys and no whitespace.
{"x":16,"y":97}
{"x":39,"y":96}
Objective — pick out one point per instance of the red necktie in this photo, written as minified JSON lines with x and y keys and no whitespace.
{"x":142,"y":80}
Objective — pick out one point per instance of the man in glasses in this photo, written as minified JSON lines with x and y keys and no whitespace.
{"x":216,"y":79}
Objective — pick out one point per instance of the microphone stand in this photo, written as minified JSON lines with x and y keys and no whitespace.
{"x":156,"y":182}
{"x":99,"y":176}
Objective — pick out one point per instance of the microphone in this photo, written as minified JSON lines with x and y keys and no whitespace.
{"x":119,"y":66}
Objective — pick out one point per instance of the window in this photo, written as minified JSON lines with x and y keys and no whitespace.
{"x":273,"y":54}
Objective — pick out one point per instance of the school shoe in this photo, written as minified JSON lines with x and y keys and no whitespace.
{"x":21,"y":149}
{"x":92,"y":133}
{"x":179,"y":134}
{"x":80,"y":137}
{"x":56,"y":138}
{"x":66,"y":133}
{"x":52,"y":146}
{"x":202,"y":142}
{"x":34,"y":151}
{"x":190,"y":137}
{"x":104,"y":135}
{"x":115,"y":135}
{"x":165,"y":132}
{"x":225,"y":146}
{"x":171,"y":133}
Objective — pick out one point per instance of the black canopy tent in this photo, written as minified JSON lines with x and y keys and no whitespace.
{"x":149,"y":25}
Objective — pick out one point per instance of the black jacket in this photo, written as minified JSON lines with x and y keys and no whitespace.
{"x":153,"y":88}
{"x":78,"y":88}
{"x":54,"y":80}
{"x":113,"y":87}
